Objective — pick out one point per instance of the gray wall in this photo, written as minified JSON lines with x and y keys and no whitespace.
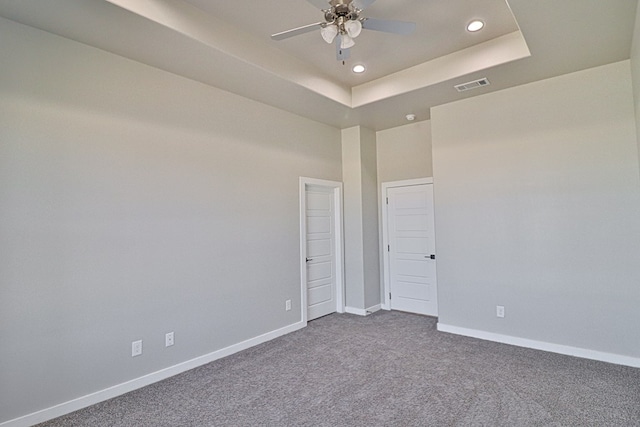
{"x":362,"y":276}
{"x":370,"y":218}
{"x":404,"y":152}
{"x":353,"y":230}
{"x":635,"y":73}
{"x":538,"y":210}
{"x":132,"y":203}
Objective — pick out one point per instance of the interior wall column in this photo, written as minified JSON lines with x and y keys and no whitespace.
{"x":359,"y":174}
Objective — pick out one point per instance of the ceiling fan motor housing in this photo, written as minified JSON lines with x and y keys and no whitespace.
{"x":341,"y":11}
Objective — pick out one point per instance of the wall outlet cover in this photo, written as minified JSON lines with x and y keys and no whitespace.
{"x":136,"y":348}
{"x":168,"y":339}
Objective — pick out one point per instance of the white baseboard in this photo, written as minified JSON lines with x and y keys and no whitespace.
{"x":120,"y":389}
{"x":362,"y":311}
{"x":373,"y":309}
{"x":353,"y":310}
{"x":544,"y":346}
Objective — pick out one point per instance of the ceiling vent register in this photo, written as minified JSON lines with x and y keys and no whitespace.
{"x":472,"y":85}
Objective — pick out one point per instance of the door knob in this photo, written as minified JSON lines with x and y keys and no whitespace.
{"x":309,"y":259}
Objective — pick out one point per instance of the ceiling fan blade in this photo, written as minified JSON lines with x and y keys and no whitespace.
{"x":321,"y":4}
{"x":396,"y":27}
{"x":341,"y":54}
{"x":296,"y":31}
{"x":361,"y":4}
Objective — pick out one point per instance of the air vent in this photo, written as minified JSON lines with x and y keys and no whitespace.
{"x":472,"y":85}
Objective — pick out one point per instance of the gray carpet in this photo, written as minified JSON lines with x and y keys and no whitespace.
{"x":388,"y":369}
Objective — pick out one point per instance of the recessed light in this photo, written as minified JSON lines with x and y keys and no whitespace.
{"x":410,"y":117}
{"x":359,"y":68}
{"x":474,"y":26}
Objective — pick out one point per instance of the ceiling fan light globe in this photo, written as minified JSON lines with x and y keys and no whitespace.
{"x":353,"y":28}
{"x":329,"y":33}
{"x":346,"y":42}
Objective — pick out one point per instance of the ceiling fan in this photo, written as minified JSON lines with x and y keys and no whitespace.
{"x":343,"y":22}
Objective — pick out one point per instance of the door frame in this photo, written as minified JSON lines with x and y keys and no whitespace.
{"x":386,"y":273}
{"x":338,"y":241}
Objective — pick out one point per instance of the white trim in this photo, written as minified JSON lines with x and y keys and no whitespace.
{"x":544,"y":346}
{"x":362,"y":312}
{"x":339,"y":242}
{"x":357,"y":311}
{"x":373,"y":309}
{"x":384,"y":272}
{"x":407,"y":182}
{"x":120,"y":389}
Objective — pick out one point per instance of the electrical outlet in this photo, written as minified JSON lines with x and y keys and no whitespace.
{"x":287,"y":305}
{"x":499,"y":310}
{"x":136,"y":348}
{"x":168,"y":339}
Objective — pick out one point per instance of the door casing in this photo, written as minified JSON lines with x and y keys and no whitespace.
{"x":338,"y":242}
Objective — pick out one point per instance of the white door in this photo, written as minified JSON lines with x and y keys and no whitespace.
{"x":411,"y":249}
{"x":320,"y":253}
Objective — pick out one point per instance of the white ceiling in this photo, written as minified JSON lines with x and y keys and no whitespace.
{"x":226,"y":44}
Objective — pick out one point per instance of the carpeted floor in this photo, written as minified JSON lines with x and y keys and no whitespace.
{"x":387,"y":369}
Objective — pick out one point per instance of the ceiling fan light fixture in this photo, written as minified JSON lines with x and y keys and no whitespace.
{"x":342,"y":19}
{"x":346,"y":42}
{"x":353,"y":28}
{"x":329,"y":33}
